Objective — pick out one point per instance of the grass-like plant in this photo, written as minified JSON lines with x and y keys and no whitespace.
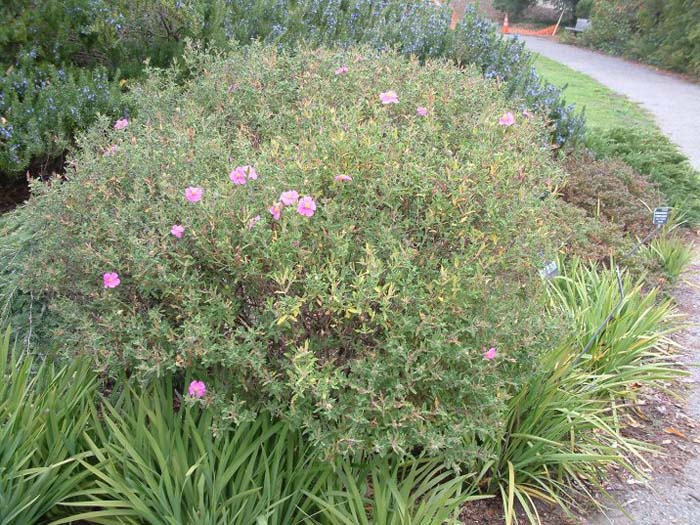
{"x":386,"y":492}
{"x":44,"y":415}
{"x":563,"y":428}
{"x":160,"y":465}
{"x":673,"y":253}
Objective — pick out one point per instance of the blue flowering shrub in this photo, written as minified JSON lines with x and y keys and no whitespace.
{"x":113,"y":36}
{"x":42,"y":108}
{"x":352,"y":249}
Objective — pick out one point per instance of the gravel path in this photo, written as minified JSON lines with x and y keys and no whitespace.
{"x":674,"y":103}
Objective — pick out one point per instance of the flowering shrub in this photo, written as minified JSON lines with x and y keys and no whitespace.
{"x":364,"y":272}
{"x":42,"y":107}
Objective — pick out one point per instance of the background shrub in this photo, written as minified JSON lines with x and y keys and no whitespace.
{"x":583,"y":8}
{"x":365,"y":323}
{"x":655,"y":157}
{"x":43,"y":106}
{"x":610,"y":190}
{"x":663,"y":33}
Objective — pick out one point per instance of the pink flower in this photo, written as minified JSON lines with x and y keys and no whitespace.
{"x":341,"y":70}
{"x":275,"y":210}
{"x":252,"y":222}
{"x":490,"y":354}
{"x":110,"y":151}
{"x":197,"y":389}
{"x":289,"y":197}
{"x":240,"y":173}
{"x":111,"y":279}
{"x":421,"y":111}
{"x":177,"y":230}
{"x":528,"y":114}
{"x":389,"y":97}
{"x":237,"y":176}
{"x":122,"y":123}
{"x":193,"y":194}
{"x":342,"y":178}
{"x":306,"y":206}
{"x":507,"y":119}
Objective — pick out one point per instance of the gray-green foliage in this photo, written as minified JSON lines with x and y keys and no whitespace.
{"x":364,"y":324}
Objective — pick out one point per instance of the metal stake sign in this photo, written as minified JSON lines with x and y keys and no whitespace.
{"x":661,"y":216}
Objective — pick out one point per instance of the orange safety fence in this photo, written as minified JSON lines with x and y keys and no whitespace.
{"x":545,"y":31}
{"x":457,"y":13}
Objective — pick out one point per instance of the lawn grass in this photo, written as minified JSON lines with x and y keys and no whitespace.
{"x":604,"y":108}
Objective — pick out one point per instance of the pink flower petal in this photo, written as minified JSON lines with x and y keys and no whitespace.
{"x":237,"y":176}
{"x":110,"y":279}
{"x":275,"y":210}
{"x":508,"y":119}
{"x":122,"y":123}
{"x":306,"y":206}
{"x":421,"y":111}
{"x":177,"y":230}
{"x":490,"y":354}
{"x":289,"y":197}
{"x":193,"y":193}
{"x":389,"y":97}
{"x":342,"y":178}
{"x":197,"y":389}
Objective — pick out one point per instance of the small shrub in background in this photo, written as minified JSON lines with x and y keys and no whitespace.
{"x":656,"y":157}
{"x":42,"y":107}
{"x":612,"y":26}
{"x":664,"y":33}
{"x":610,"y":190}
{"x":583,"y":8}
{"x":363,"y":320}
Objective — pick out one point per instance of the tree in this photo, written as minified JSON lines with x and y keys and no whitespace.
{"x":516,"y":7}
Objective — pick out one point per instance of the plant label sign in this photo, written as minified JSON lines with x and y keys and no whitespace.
{"x":550,"y":270}
{"x":661,"y":216}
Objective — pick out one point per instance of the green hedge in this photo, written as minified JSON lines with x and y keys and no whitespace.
{"x":662,"y":33}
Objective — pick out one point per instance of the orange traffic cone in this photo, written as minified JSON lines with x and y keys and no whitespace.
{"x":505,"y":25}
{"x":455,"y":19}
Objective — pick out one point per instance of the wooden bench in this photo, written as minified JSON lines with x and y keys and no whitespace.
{"x":582,"y":24}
